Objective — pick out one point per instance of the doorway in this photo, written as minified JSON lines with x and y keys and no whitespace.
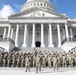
{"x":38,"y":44}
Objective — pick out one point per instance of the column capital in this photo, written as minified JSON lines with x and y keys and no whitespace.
{"x":50,"y":23}
{"x":58,"y":24}
{"x":65,"y":23}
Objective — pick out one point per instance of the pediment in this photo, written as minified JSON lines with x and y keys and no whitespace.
{"x":37,"y":13}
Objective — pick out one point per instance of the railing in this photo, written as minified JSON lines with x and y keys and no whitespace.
{"x":68,"y":40}
{"x":7,"y":39}
{"x":2,"y":49}
{"x":73,"y":48}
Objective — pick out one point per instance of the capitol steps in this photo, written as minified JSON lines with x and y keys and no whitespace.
{"x":41,"y":49}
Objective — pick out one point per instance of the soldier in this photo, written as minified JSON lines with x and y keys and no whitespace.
{"x":60,"y":59}
{"x":70,"y":59}
{"x":36,"y":52}
{"x":46,"y":58}
{"x":75,"y":57}
{"x":55,"y":63}
{"x":27,"y":63}
{"x":13,"y":60}
{"x":1,"y":59}
{"x":5,"y":59}
{"x":64,"y":60}
{"x":38,"y":63}
{"x":49,"y":60}
{"x":44,"y":61}
{"x":34,"y":61}
{"x":18,"y":61}
{"x":9,"y":60}
{"x":22,"y":61}
{"x":31,"y":60}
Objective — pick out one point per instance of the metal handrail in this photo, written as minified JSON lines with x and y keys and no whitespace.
{"x":7,"y":39}
{"x":68,"y":40}
{"x":1,"y":48}
{"x":73,"y":48}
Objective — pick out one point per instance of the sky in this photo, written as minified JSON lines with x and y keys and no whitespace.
{"x":8,"y":7}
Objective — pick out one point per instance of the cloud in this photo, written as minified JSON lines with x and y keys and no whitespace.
{"x":17,"y":7}
{"x":6,"y":11}
{"x":56,"y":3}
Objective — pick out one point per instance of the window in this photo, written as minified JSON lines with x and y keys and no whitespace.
{"x":44,"y":4}
{"x":47,"y":5}
{"x":41,"y":4}
{"x":34,"y":4}
{"x":38,"y":4}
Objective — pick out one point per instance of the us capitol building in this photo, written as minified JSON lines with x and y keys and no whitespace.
{"x":37,"y":25}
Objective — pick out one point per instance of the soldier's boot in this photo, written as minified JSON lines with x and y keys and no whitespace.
{"x":49,"y":65}
{"x":54,"y":69}
{"x":40,"y":69}
{"x":26,"y":68}
{"x":44,"y":65}
{"x":36,"y":69}
{"x":29,"y":68}
{"x":57,"y":69}
{"x":33,"y":64}
{"x":22,"y":65}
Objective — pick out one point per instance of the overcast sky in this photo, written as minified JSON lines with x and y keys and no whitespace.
{"x":8,"y":7}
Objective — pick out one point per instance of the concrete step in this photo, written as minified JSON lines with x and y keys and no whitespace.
{"x":42,"y":49}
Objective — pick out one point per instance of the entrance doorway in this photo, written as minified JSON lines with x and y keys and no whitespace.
{"x":38,"y":44}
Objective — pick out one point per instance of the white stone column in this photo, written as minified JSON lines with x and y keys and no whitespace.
{"x":16,"y":38}
{"x":63,"y":34}
{"x":9,"y":30}
{"x":12,"y":33}
{"x":4,"y":34}
{"x":33,"y":36}
{"x":71,"y":34}
{"x":50,"y":36}
{"x":67,"y":33}
{"x":25,"y":35}
{"x":42,"y":36}
{"x":59,"y":37}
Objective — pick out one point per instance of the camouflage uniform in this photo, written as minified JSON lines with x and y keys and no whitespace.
{"x":18,"y":61}
{"x":9,"y":60}
{"x":49,"y":61}
{"x":22,"y":61}
{"x":27,"y":63}
{"x":1,"y":59}
{"x":5,"y":60}
{"x":38,"y":63}
{"x":44,"y":62}
{"x":55,"y":63}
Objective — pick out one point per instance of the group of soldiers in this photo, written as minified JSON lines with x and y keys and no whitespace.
{"x":38,"y":60}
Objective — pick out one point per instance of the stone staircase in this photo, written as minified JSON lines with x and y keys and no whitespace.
{"x":41,"y":49}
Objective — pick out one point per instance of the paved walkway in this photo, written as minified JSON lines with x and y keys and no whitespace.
{"x":47,"y":71}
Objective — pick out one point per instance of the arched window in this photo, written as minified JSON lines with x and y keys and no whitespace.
{"x":47,"y":5}
{"x":34,"y":4}
{"x":41,"y":4}
{"x":38,"y":4}
{"x":44,"y":4}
